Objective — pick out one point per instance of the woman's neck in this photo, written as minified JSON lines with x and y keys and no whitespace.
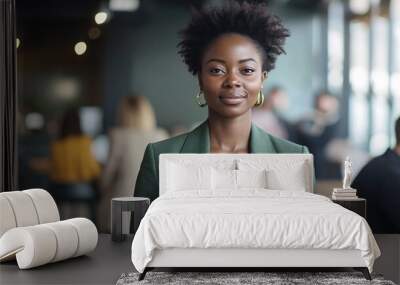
{"x":229,"y":135}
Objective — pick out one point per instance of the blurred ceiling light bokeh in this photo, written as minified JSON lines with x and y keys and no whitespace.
{"x":18,"y":42}
{"x":94,"y":33}
{"x":64,"y":88}
{"x":101,"y":17}
{"x":124,"y":5}
{"x":359,"y":7}
{"x":80,"y":48}
{"x":34,"y":121}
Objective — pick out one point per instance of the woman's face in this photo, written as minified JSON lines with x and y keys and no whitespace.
{"x":231,"y":75}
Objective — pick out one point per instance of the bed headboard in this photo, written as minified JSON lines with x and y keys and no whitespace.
{"x":283,"y":164}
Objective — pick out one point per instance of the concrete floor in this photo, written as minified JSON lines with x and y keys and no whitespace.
{"x":102,"y":266}
{"x":110,"y":260}
{"x":389,"y":262}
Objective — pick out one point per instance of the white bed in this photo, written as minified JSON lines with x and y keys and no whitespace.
{"x":202,"y":220}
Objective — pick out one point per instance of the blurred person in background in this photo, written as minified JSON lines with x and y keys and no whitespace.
{"x":268,"y":117}
{"x":317,"y":129}
{"x":73,"y":169}
{"x":137,"y":128}
{"x":379,"y":183}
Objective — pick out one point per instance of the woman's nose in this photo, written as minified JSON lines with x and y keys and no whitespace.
{"x":232,"y":81}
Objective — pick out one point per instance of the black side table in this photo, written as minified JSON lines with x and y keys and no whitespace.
{"x":137,"y":205}
{"x":358,"y":206}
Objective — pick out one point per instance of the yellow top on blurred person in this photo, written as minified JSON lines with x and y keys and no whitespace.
{"x":72,"y":160}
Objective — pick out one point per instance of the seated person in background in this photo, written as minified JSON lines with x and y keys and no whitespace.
{"x":379,"y":183}
{"x":268,"y":118}
{"x":317,"y":130}
{"x":73,"y":167}
{"x":137,"y":128}
{"x":231,"y":59}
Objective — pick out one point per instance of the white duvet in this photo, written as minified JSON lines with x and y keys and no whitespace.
{"x":251,"y":218}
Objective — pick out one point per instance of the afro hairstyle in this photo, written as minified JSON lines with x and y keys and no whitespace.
{"x":252,"y":20}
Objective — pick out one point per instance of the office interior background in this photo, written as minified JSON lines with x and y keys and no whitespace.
{"x":90,"y":54}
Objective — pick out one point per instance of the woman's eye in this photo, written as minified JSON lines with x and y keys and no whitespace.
{"x":216,"y":71}
{"x":248,"y":70}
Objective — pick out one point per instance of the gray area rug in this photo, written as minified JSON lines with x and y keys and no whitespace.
{"x":229,"y":278}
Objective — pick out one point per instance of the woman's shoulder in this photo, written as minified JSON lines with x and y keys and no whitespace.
{"x":170,"y":145}
{"x":285,"y":146}
{"x":177,"y":143}
{"x":158,"y":134}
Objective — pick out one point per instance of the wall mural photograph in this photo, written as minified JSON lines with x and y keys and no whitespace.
{"x":200,"y":141}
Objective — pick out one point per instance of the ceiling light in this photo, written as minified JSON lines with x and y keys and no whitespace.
{"x":34,"y":121}
{"x":359,"y":7}
{"x":100,"y":18}
{"x":80,"y":48}
{"x":64,"y":88}
{"x":124,"y":5}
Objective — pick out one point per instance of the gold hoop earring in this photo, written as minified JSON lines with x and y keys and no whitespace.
{"x":198,"y":99}
{"x":260,"y":99}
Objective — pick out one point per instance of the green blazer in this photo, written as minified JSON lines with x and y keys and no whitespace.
{"x":198,"y":141}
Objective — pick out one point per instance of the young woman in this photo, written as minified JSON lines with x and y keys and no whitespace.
{"x":231,"y":50}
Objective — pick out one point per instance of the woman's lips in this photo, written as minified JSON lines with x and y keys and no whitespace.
{"x":232,"y":100}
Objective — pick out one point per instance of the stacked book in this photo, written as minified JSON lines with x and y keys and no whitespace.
{"x":344,"y":194}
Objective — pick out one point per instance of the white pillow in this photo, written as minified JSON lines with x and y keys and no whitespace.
{"x":223,"y":179}
{"x":235,"y":179}
{"x":293,"y":180}
{"x":251,"y":178}
{"x":182,"y":177}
